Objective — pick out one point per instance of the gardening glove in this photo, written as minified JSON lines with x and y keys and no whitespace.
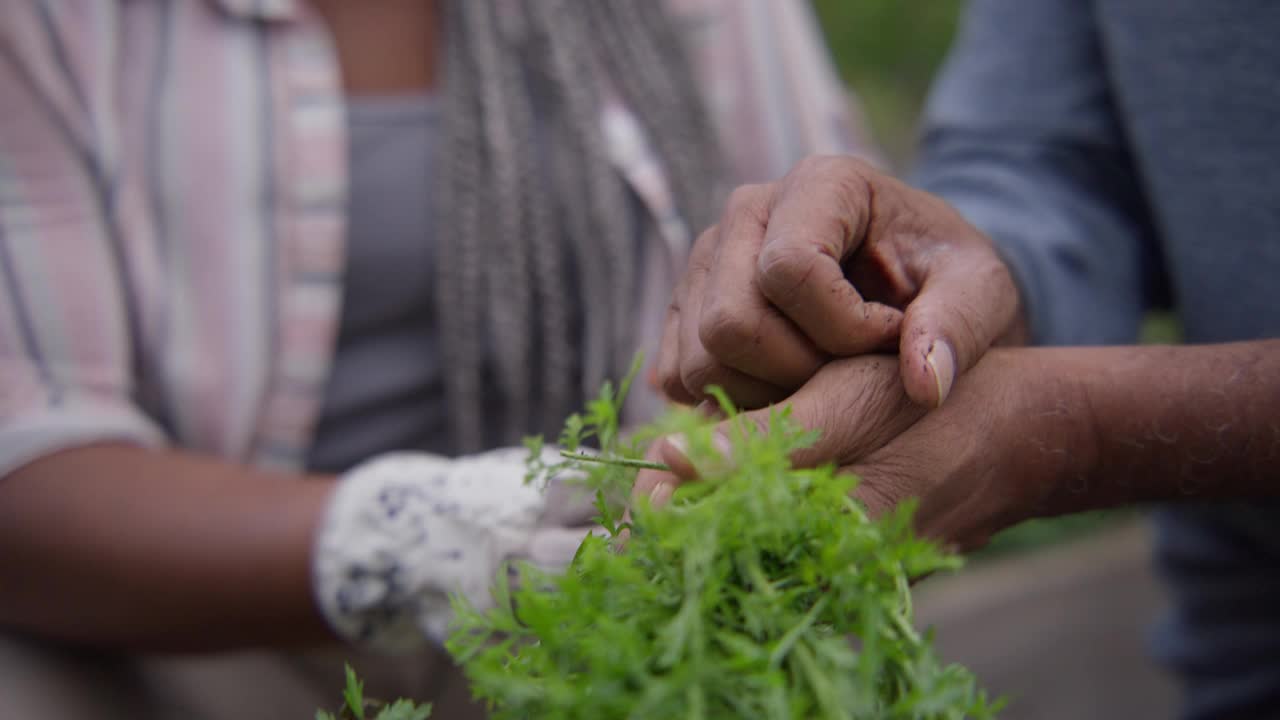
{"x":405,"y":530}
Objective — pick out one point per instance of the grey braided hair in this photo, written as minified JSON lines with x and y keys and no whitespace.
{"x":531,"y":208}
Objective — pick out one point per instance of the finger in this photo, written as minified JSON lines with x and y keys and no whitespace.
{"x":699,"y":369}
{"x":648,"y":481}
{"x":964,"y":305}
{"x":668,"y":370}
{"x":858,"y":405}
{"x":818,"y":219}
{"x":569,"y":504}
{"x":657,"y":486}
{"x":552,"y":549}
{"x":673,"y":451}
{"x":737,"y":324}
{"x":652,"y":488}
{"x":703,"y":373}
{"x":669,"y":359}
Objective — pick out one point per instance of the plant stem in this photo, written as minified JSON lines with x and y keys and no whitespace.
{"x":624,"y":462}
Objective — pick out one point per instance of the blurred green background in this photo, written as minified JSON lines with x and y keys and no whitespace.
{"x":888,"y":51}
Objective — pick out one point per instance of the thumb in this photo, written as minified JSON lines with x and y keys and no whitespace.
{"x":962,"y":309}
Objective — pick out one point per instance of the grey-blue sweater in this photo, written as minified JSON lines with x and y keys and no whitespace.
{"x":1125,"y":153}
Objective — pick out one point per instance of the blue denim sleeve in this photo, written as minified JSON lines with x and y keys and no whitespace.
{"x":1022,"y":137}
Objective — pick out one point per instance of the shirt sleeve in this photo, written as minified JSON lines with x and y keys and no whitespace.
{"x":1022,"y":136}
{"x":67,"y":325}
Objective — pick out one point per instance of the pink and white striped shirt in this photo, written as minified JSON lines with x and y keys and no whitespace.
{"x":172,"y":200}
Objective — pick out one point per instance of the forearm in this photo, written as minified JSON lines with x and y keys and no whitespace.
{"x":1172,"y":423}
{"x":134,"y":548}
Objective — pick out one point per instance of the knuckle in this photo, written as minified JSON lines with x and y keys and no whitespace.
{"x":707,"y":237}
{"x":672,"y":385}
{"x":834,"y":168}
{"x":748,"y":199}
{"x":699,"y":373}
{"x":851,"y":190}
{"x":703,"y":248}
{"x":782,"y":269}
{"x":838,"y":194}
{"x":668,"y":375}
{"x":697,"y":379}
{"x":726,"y":331}
{"x":810,"y":165}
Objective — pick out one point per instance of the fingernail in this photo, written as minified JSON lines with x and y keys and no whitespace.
{"x":942,"y":361}
{"x":660,"y":495}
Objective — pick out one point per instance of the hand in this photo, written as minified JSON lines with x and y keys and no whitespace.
{"x":836,"y":259}
{"x":405,"y":530}
{"x":858,"y":404}
{"x":1010,"y":444}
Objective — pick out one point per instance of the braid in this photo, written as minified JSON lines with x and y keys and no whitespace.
{"x":460,"y":187}
{"x":523,"y":83}
{"x":649,"y":65}
{"x":555,"y":347}
{"x":508,"y":294}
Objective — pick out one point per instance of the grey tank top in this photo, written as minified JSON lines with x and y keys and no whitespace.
{"x":385,"y":389}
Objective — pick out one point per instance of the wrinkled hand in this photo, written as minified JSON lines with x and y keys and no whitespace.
{"x":835,"y":260}
{"x":1010,"y":443}
{"x":857,"y":403}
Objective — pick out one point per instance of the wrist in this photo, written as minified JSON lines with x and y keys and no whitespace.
{"x":1071,"y":426}
{"x":1049,"y":431}
{"x":1181,"y":422}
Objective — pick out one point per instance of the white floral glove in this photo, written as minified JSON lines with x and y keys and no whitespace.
{"x":404,"y":530}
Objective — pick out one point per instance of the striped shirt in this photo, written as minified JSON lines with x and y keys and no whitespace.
{"x":173,"y":196}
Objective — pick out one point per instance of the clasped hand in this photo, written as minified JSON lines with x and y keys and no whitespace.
{"x":787,"y":296}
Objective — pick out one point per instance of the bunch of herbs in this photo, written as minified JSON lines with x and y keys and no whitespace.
{"x":763,"y":591}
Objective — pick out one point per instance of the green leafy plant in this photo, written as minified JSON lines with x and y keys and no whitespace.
{"x":763,"y":591}
{"x":356,"y":706}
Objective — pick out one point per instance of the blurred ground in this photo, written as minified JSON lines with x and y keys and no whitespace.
{"x":1061,"y":631}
